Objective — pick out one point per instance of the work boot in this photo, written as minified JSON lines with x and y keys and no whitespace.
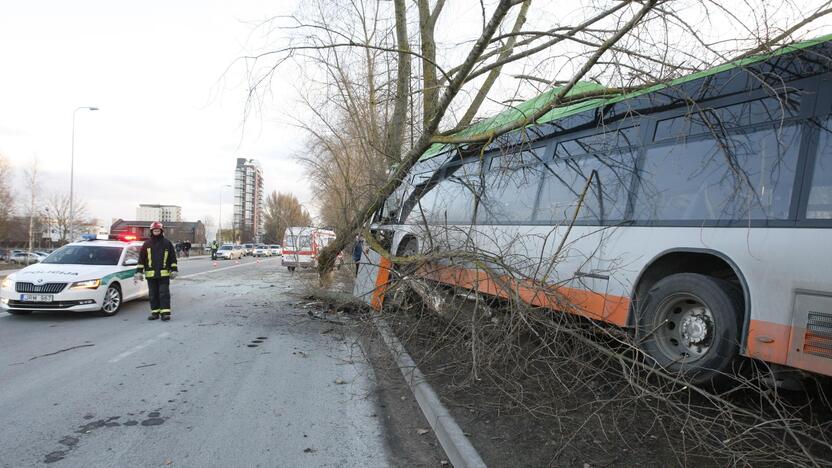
{"x":153,"y":316}
{"x":166,"y":316}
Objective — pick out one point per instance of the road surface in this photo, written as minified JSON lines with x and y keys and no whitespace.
{"x":241,"y":376}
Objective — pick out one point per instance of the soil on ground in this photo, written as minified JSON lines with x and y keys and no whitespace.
{"x":571,"y":416}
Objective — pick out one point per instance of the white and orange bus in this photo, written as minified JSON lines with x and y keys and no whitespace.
{"x":706,"y":217}
{"x":301,"y":246}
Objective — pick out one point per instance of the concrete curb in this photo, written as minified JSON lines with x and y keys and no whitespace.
{"x":456,"y":445}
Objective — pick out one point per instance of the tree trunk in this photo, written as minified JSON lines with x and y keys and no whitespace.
{"x":326,"y":259}
{"x":430,"y":85}
{"x":395,"y":128}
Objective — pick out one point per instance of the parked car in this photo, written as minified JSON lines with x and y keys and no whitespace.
{"x":229,"y":252}
{"x":89,"y":276}
{"x":277,"y":250}
{"x":248,"y":249}
{"x":261,"y":250}
{"x":25,"y":258}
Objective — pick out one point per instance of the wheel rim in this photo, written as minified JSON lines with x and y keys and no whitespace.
{"x":685,"y":329}
{"x":111,"y":300}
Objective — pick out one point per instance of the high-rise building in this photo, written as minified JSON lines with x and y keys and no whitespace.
{"x":248,"y":200}
{"x":163,"y":213}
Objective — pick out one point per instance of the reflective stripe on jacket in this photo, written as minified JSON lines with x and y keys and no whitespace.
{"x":157,"y":258}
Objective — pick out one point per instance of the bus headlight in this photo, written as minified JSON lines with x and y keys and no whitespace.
{"x":88,"y":284}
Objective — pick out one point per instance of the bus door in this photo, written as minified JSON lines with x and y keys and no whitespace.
{"x":586,"y":197}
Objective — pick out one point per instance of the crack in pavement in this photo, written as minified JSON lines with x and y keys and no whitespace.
{"x":62,"y":350}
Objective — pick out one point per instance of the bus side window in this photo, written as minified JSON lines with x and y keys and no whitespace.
{"x":420,"y":206}
{"x":745,"y":175}
{"x":455,"y":195}
{"x":606,"y":199}
{"x":820,"y":193}
{"x":510,"y":194}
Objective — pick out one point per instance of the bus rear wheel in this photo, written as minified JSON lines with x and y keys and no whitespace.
{"x":689,"y":325}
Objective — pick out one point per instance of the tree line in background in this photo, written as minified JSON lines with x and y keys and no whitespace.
{"x":283,"y":210}
{"x":383,"y":81}
{"x":35,"y":217}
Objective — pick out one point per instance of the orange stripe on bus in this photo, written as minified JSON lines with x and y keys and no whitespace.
{"x":767,"y":341}
{"x":381,"y":283}
{"x":784,"y":344}
{"x":590,"y":304}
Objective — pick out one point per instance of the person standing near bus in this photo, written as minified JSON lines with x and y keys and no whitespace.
{"x":157,"y":264}
{"x":357,"y":249}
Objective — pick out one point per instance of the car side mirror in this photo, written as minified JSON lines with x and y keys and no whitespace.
{"x":131,"y":262}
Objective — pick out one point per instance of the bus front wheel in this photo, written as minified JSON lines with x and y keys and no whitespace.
{"x":689,"y":325}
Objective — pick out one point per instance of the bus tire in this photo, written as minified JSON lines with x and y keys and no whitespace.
{"x":689,"y":325}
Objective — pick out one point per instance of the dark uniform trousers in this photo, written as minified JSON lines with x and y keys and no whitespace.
{"x":159,"y":289}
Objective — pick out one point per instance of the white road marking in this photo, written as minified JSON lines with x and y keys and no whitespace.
{"x":140,"y":347}
{"x":217,"y":269}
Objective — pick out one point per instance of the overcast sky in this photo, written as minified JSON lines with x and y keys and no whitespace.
{"x":172,"y":95}
{"x":170,"y":125}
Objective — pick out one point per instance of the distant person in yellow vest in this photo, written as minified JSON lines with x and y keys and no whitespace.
{"x":157,"y":264}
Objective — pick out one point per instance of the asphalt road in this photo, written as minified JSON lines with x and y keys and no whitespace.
{"x":239,"y":377}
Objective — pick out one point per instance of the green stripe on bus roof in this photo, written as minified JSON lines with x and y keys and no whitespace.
{"x":528,"y":107}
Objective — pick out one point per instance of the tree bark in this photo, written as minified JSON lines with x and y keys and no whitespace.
{"x":395,"y":128}
{"x":430,"y":85}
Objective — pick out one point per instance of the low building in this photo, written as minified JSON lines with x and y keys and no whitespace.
{"x":193,"y":232}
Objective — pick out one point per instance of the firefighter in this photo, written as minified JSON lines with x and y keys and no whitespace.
{"x":157,"y":264}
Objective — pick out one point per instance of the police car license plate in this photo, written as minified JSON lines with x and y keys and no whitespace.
{"x":36,"y":297}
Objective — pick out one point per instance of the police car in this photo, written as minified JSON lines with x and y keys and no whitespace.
{"x":86,"y":276}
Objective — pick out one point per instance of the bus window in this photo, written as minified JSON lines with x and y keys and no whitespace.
{"x":605,"y":201}
{"x":702,"y":119}
{"x":820,"y":193}
{"x":456,"y":193}
{"x":420,"y":205}
{"x":601,"y":143}
{"x":510,"y":192}
{"x":742,"y":176}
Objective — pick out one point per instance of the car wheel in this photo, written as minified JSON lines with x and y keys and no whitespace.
{"x":689,"y":325}
{"x":112,"y":301}
{"x":291,"y":268}
{"x":19,"y":312}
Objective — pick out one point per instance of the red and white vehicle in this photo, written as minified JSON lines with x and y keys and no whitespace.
{"x":301,"y":246}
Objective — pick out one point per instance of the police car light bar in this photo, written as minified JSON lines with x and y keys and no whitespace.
{"x":126,"y":237}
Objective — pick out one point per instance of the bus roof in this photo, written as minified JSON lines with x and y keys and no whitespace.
{"x":532,"y":105}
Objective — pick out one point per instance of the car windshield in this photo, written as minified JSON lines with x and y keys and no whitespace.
{"x":225,"y":247}
{"x":85,"y":255}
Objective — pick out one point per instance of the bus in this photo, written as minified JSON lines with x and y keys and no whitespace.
{"x":696,"y":213}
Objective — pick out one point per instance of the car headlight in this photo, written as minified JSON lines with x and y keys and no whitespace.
{"x":88,"y":284}
{"x":6,"y":283}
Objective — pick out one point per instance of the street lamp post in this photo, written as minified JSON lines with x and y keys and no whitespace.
{"x":72,"y":173}
{"x":219,"y":222}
